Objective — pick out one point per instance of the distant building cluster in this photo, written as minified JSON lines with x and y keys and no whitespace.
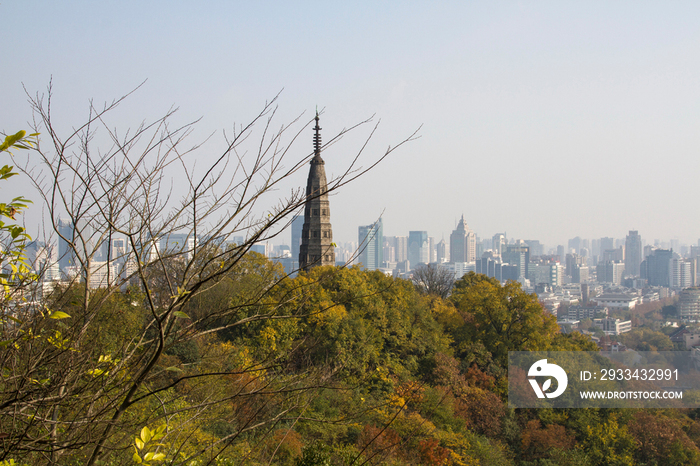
{"x":586,"y":278}
{"x":93,"y":257}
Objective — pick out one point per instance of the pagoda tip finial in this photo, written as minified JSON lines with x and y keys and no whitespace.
{"x":317,"y":139}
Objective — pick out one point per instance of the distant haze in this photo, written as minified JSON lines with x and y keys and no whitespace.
{"x":545,"y":120}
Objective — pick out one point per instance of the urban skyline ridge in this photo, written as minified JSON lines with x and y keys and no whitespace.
{"x":545,"y":120}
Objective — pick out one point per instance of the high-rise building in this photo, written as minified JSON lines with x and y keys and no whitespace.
{"x":633,"y":253}
{"x":462,"y":243}
{"x":519,"y":256}
{"x":614,"y":255}
{"x":571,"y":261}
{"x":42,"y":258}
{"x":418,"y":248}
{"x":606,"y":243}
{"x":389,"y":249}
{"x":579,"y":274}
{"x":178,"y":244}
{"x":536,"y":248}
{"x":689,"y":304}
{"x":657,"y":268}
{"x":443,"y":254}
{"x":401,"y":248}
{"x":498,"y":244}
{"x":65,"y":252}
{"x":610,"y":272}
{"x":681,"y":273}
{"x":479,"y":247}
{"x":575,"y":245}
{"x":317,"y":235}
{"x":118,"y":248}
{"x":371,"y":240}
{"x":297,"y":226}
{"x":561,"y":252}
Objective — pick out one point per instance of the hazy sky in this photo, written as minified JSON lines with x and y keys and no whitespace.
{"x":546,"y":120}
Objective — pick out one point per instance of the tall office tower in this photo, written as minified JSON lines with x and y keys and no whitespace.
{"x":681,"y":274}
{"x":102,"y":251}
{"x":606,"y":243}
{"x":401,"y":248}
{"x":518,"y":255}
{"x":498,"y":245}
{"x":561,"y":253}
{"x":418,"y":248}
{"x":471,"y":246}
{"x":389,"y":248}
{"x":179,"y":244}
{"x":648,"y":249}
{"x":579,"y":274}
{"x":389,"y":253}
{"x":556,"y":274}
{"x":675,"y":244}
{"x":443,"y":254}
{"x":536,"y":248}
{"x":610,"y":272}
{"x":317,"y":235}
{"x":613,"y":255}
{"x":573,"y":260}
{"x":462,"y":243}
{"x":575,"y":244}
{"x":65,"y":253}
{"x":585,"y":293}
{"x":657,"y":268}
{"x":633,"y":253}
{"x":297,"y":226}
{"x":689,"y":304}
{"x":42,"y":258}
{"x":371,"y":243}
{"x":118,"y":248}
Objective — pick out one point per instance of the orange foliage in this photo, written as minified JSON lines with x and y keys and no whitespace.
{"x":283,"y":445}
{"x":538,"y":442}
{"x":660,"y":438}
{"x":482,"y":411}
{"x":477,"y":378}
{"x":431,"y":453}
{"x":378,"y":446}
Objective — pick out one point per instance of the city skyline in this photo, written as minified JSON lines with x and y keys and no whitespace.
{"x":546,"y":121}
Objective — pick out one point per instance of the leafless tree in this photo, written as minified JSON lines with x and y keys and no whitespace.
{"x":433,"y":279}
{"x":87,"y":362}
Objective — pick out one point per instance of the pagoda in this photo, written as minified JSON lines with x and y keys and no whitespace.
{"x":317,"y":246}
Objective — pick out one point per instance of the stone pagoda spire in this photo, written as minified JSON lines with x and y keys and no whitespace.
{"x":316,"y":234}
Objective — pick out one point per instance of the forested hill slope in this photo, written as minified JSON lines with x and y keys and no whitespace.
{"x":336,"y":366}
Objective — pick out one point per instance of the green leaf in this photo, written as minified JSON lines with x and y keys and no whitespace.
{"x":12,"y":139}
{"x":146,"y":434}
{"x":137,"y":459}
{"x":139,"y":443}
{"x":59,"y":315}
{"x":181,"y":315}
{"x":173,"y":369}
